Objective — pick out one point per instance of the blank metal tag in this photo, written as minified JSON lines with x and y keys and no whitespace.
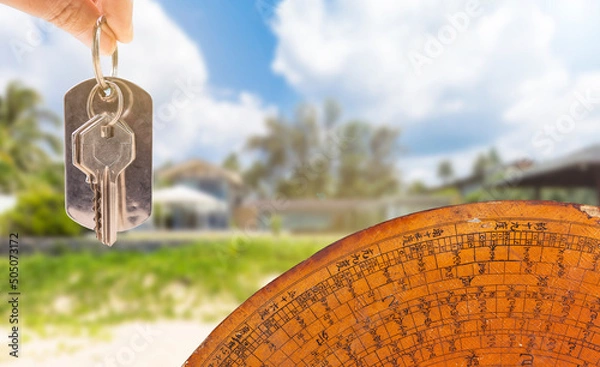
{"x":137,"y":113}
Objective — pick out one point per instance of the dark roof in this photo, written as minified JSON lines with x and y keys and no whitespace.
{"x":459,"y":182}
{"x":579,"y":169}
{"x":474,"y":179}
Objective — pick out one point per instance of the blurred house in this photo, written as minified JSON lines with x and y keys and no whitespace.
{"x":578,"y":170}
{"x":181,"y":207}
{"x":574,"y":177}
{"x":196,"y":195}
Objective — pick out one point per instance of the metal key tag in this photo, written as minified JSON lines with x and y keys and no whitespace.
{"x":92,"y":102}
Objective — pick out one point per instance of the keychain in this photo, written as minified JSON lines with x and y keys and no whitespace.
{"x":108,"y":140}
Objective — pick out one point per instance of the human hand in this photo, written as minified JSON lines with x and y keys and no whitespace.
{"x":78,"y":17}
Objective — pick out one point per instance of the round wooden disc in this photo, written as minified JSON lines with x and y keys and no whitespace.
{"x":490,"y":284}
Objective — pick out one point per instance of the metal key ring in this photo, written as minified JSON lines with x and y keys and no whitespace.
{"x":105,"y":87}
{"x":114,"y":87}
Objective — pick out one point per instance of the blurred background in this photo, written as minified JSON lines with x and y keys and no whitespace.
{"x":280,"y":127}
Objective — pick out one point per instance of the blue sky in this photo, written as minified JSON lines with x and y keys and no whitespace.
{"x":456,"y":77}
{"x":237,"y":43}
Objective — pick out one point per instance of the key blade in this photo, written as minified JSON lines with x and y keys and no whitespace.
{"x":109,"y":204}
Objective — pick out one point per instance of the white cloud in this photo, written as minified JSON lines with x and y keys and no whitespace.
{"x":557,"y":113}
{"x":189,"y":119}
{"x":362,"y":51}
{"x":509,"y":68}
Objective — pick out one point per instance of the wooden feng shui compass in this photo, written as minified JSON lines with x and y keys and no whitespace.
{"x":491,"y":284}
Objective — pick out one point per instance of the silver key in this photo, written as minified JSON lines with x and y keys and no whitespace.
{"x":103,"y":152}
{"x":118,"y":200}
{"x":137,"y":182}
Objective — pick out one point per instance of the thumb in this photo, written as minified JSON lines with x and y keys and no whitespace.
{"x":77,"y":17}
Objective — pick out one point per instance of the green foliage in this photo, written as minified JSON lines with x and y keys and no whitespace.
{"x":276,"y":224}
{"x":232,"y":163}
{"x":311,"y":157}
{"x":382,"y":157}
{"x":490,"y":192}
{"x":353,"y":160}
{"x":40,"y":213}
{"x":367,"y":161}
{"x":571,"y":195}
{"x":25,"y":145}
{"x":254,"y":176}
{"x":417,"y":187}
{"x":477,"y":196}
{"x":484,"y":163}
{"x":445,"y":171}
{"x":111,"y":287}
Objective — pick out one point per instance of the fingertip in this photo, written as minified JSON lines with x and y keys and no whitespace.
{"x":108,"y":43}
{"x":119,"y":14}
{"x":127,"y":36}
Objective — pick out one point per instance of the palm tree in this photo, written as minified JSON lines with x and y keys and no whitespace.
{"x":25,"y":147}
{"x":316,"y":155}
{"x":445,"y":171}
{"x":286,"y":151}
{"x":273,"y":147}
{"x":486,"y":163}
{"x":231,"y":162}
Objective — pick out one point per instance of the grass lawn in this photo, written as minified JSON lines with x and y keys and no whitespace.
{"x":85,"y":291}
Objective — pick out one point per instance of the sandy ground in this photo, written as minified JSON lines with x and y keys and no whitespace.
{"x":164,"y":344}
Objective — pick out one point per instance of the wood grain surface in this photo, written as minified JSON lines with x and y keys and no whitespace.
{"x":491,"y":284}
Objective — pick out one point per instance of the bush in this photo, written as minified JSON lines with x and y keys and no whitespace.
{"x":40,"y":213}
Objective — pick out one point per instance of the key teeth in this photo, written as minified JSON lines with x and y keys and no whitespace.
{"x":98,"y":215}
{"x":97,"y":212}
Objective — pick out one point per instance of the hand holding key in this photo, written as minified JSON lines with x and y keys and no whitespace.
{"x":78,"y":17}
{"x":108,"y":133}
